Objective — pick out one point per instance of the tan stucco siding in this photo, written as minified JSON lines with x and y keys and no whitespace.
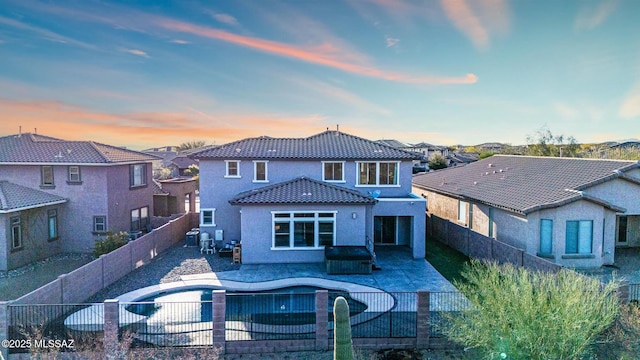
{"x":620,"y":193}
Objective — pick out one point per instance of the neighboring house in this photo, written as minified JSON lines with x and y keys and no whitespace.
{"x":461,"y":158}
{"x":60,"y":196}
{"x":569,"y":210}
{"x":164,"y":155}
{"x":428,"y":150}
{"x":174,"y":196}
{"x":287,"y":198}
{"x":179,"y":166}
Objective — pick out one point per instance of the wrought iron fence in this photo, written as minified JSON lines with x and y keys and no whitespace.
{"x":283,"y":315}
{"x":380,"y":314}
{"x":42,"y":328}
{"x":151,"y":324}
{"x":443,"y":305}
{"x":634,"y":292}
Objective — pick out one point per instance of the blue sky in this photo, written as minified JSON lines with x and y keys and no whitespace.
{"x":153,"y":73}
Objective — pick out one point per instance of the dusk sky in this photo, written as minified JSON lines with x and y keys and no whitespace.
{"x":154,"y":73}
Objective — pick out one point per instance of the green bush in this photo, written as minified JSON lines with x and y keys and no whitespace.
{"x":518,"y":314}
{"x":112,"y":241}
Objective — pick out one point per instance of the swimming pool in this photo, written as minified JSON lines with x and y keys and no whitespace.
{"x":292,"y":305}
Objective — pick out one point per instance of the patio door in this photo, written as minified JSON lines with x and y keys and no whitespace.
{"x":385,"y":230}
{"x":622,"y":231}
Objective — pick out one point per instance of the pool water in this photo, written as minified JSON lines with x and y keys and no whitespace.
{"x":293,"y":305}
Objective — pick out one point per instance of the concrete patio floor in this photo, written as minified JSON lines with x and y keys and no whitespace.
{"x":399,"y":273}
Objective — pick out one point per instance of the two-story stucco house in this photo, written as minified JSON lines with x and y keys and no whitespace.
{"x":60,"y":196}
{"x":571,"y":211}
{"x":286,"y":199}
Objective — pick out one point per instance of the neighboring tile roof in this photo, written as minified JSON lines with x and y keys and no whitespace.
{"x":157,"y":188}
{"x":301,"y":190}
{"x":33,"y":148}
{"x":393,"y":143}
{"x":14,"y":197}
{"x":524,"y":184}
{"x":326,"y":145}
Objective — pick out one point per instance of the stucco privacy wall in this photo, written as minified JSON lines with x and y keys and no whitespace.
{"x":87,"y":280}
{"x":479,"y":246}
{"x":216,"y":190}
{"x":257,"y":232}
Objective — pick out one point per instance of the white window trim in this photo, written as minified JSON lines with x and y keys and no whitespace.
{"x":105,"y":224}
{"x":377,"y":184}
{"x":213,"y":217}
{"x":70,"y":173}
{"x":334,"y":162}
{"x":226,"y":169}
{"x":266,"y":171}
{"x":316,"y":219}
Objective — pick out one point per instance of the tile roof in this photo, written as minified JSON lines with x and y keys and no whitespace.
{"x":15,"y":197}
{"x":393,"y":143}
{"x":156,"y":186}
{"x":524,"y":184}
{"x":301,"y":190}
{"x":326,"y":145}
{"x":33,"y":148}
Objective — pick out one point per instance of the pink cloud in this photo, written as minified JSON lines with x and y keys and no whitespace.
{"x":324,"y":55}
{"x":466,"y":21}
{"x":332,"y":52}
{"x":478,"y":20}
{"x":146,"y":129}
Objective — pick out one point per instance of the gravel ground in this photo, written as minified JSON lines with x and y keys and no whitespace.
{"x":626,"y":267}
{"x":166,"y":267}
{"x":20,"y":281}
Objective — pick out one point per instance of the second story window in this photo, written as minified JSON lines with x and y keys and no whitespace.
{"x":260,"y":171}
{"x":47,"y":176}
{"x":333,"y":171}
{"x":138,"y":175}
{"x":232,"y":168}
{"x":378,"y":173}
{"x":74,"y":174}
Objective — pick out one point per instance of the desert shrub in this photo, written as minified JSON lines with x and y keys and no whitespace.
{"x":112,"y":241}
{"x":518,"y":314}
{"x":622,"y":339}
